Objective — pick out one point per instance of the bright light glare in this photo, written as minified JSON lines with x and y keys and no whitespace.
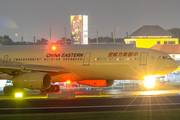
{"x":68,"y":82}
{"x":149,"y":81}
{"x":53,"y":47}
{"x":153,"y":92}
{"x":18,"y":95}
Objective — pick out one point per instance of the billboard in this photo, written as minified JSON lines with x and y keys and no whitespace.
{"x":79,"y":29}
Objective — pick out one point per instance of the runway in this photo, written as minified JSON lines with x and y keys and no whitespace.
{"x":88,"y":104}
{"x":131,"y":101}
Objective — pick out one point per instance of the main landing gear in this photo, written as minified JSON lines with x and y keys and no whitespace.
{"x":53,"y":88}
{"x":9,"y":90}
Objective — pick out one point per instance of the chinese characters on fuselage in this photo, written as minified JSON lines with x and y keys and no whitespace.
{"x":122,"y":54}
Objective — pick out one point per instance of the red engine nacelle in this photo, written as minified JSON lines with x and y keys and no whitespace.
{"x":97,"y":83}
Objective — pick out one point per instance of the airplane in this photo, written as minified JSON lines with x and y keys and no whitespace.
{"x":38,"y":66}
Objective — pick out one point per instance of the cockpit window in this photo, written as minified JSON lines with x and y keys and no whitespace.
{"x":164,"y":58}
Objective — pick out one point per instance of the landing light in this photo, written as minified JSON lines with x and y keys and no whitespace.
{"x":149,"y":81}
{"x":18,"y":95}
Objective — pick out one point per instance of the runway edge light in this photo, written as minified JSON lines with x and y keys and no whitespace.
{"x":18,"y":95}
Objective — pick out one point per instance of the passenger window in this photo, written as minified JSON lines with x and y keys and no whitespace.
{"x":168,"y":57}
{"x":164,"y":57}
{"x":159,"y":58}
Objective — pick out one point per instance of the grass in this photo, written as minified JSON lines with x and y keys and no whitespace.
{"x":113,"y":115}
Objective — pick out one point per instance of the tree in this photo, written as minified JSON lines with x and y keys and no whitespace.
{"x":106,"y":40}
{"x":5,"y":40}
{"x":43,"y":41}
{"x":62,"y":41}
{"x":176,"y":32}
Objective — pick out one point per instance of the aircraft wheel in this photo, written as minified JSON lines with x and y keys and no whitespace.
{"x":57,"y":88}
{"x":52,"y":88}
{"x":8,"y":90}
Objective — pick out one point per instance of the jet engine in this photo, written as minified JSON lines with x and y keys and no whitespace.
{"x":97,"y":83}
{"x":36,"y":80}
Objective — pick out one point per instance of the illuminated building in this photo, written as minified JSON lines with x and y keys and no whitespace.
{"x":150,"y":35}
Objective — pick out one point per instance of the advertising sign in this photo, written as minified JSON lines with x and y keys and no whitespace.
{"x":76,"y":29}
{"x":79,"y":29}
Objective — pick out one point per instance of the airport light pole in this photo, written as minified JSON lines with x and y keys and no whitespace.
{"x":50,"y":34}
{"x":114,"y":34}
{"x":34,"y":39}
{"x":22,"y":39}
{"x":97,"y":35}
{"x":65,"y":35}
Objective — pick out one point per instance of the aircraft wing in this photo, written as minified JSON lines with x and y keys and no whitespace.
{"x":9,"y":69}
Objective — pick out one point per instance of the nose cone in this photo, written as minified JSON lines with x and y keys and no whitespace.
{"x":168,"y":67}
{"x":172,"y":65}
{"x":176,"y":65}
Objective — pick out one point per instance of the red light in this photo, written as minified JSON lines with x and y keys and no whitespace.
{"x":53,"y":47}
{"x":68,"y":82}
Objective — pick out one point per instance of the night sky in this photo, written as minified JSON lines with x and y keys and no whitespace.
{"x":30,"y":18}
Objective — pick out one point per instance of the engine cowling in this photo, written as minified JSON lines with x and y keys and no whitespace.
{"x":36,"y":80}
{"x":97,"y":83}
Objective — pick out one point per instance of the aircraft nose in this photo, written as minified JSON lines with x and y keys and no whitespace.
{"x":173,"y":65}
{"x":176,"y":65}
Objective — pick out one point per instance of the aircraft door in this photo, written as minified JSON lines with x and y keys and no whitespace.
{"x":5,"y":60}
{"x":87,"y":59}
{"x":143,"y":58}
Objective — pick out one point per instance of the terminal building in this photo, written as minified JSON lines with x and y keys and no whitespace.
{"x":150,"y":35}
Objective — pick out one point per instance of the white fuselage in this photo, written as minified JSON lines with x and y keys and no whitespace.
{"x":89,"y":62}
